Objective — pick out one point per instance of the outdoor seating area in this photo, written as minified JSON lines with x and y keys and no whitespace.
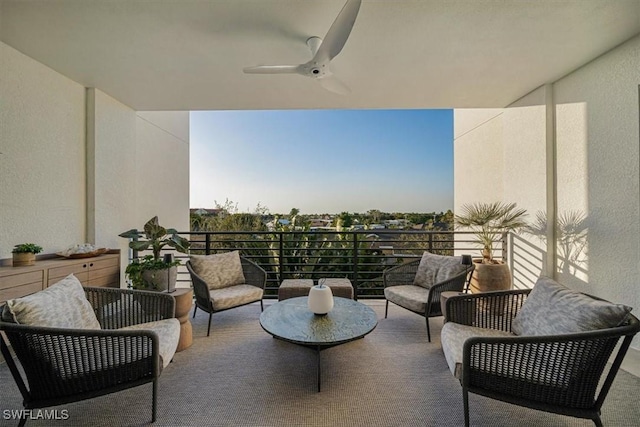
{"x":333,"y":178}
{"x":551,"y":349}
{"x":243,"y":376}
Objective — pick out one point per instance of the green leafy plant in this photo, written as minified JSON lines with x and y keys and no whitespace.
{"x":155,"y":238}
{"x":488,"y":221}
{"x":25,"y":248}
{"x":147,"y":263}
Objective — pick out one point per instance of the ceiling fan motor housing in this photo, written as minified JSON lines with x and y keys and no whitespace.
{"x":314,"y":69}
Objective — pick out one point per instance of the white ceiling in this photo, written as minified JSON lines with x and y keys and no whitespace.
{"x":189,"y":54}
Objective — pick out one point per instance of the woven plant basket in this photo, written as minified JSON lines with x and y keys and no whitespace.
{"x":23,"y":259}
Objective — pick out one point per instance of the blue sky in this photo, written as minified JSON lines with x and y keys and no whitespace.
{"x":323,"y":161}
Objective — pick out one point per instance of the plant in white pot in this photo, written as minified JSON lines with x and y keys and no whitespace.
{"x":25,"y":254}
{"x":153,"y":272}
{"x":488,"y":221}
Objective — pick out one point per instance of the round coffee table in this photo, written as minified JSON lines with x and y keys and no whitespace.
{"x":291,"y":320}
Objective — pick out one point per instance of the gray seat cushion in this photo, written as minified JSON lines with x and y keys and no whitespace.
{"x":410,"y":297}
{"x":454,"y":335}
{"x":168,"y":331}
{"x":234,"y":296}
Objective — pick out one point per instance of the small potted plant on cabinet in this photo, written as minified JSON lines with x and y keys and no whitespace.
{"x":152,"y":272}
{"x":488,"y":221}
{"x":25,"y":254}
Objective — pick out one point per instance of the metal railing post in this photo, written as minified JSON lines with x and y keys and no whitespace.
{"x":281,"y":256}
{"x":207,"y":244}
{"x":355,"y":265}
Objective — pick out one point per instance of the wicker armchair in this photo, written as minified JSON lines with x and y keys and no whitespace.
{"x":419,"y":300}
{"x":216,"y":300}
{"x":67,"y":365}
{"x":558,"y":374}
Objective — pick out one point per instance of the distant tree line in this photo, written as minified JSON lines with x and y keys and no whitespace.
{"x":228,"y":218}
{"x":292,"y":249}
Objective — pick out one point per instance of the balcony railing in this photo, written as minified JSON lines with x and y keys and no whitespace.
{"x":360,"y":256}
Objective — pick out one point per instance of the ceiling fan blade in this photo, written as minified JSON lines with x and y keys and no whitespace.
{"x":323,"y":52}
{"x":339,"y":32}
{"x":272,"y":69}
{"x":333,"y":84}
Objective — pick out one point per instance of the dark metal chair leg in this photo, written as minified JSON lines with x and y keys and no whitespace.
{"x":154,"y":404}
{"x":23,"y":420}
{"x":209,"y":328}
{"x":428,"y":330}
{"x":195,"y":307}
{"x":386,"y":309}
{"x":261,"y":306}
{"x":465,"y":401}
{"x":319,"y":371}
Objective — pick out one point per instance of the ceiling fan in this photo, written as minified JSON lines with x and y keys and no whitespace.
{"x":323,"y":52}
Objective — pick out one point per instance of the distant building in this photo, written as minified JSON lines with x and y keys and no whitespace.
{"x":205,"y":212}
{"x":271,"y":224}
{"x":319,"y":223}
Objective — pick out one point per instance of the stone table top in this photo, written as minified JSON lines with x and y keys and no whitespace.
{"x":291,"y":320}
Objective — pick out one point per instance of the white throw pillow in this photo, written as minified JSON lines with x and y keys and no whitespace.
{"x":61,"y":305}
{"x":219,"y":270}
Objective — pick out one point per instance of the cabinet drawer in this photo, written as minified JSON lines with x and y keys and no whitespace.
{"x":82,"y":276}
{"x":105,"y":277}
{"x":18,"y":285}
{"x":105,"y":263}
{"x":103,"y":268}
{"x":19,"y":291}
{"x":22,"y":279}
{"x":57,"y":273}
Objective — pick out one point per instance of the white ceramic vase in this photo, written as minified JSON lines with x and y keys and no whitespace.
{"x":320,"y":299}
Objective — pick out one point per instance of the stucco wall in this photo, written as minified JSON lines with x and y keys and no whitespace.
{"x":42,"y":155}
{"x":525,"y":183}
{"x":111,"y":163}
{"x":594,"y":132}
{"x":76,"y":165}
{"x":162,"y":171}
{"x":500,"y":155}
{"x":478,"y":155}
{"x":597,"y":136}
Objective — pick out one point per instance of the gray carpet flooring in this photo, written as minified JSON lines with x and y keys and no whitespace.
{"x":241,"y":376}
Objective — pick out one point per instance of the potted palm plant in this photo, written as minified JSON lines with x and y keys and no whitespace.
{"x":152,"y":272}
{"x":25,"y":254}
{"x":488,"y":221}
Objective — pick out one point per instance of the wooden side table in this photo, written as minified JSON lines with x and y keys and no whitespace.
{"x":184,"y":301}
